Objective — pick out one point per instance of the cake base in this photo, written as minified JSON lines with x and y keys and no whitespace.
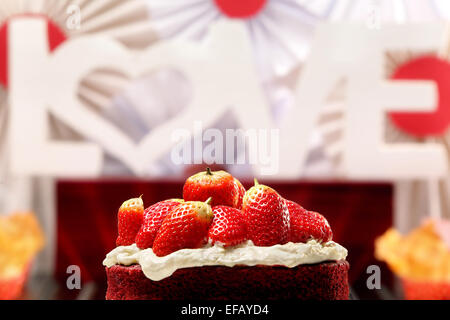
{"x":323,"y":281}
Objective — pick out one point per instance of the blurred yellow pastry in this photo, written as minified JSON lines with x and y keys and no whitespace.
{"x":21,"y":239}
{"x":421,"y":258}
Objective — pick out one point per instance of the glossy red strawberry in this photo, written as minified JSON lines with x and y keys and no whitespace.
{"x":218,"y":185}
{"x":240,"y":191}
{"x":153,"y":219}
{"x":130,"y":218}
{"x":267,"y":216}
{"x":185,"y":227}
{"x":228,"y":228}
{"x":307,"y":225}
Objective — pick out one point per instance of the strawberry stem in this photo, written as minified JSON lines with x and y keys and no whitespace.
{"x":208,"y":171}
{"x":256,"y":182}
{"x":208,"y":201}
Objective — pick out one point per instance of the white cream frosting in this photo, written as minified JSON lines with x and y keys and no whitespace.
{"x":289,"y":255}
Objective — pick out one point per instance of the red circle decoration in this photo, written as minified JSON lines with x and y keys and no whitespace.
{"x":425,"y":124}
{"x":240,"y":9}
{"x":56,"y":36}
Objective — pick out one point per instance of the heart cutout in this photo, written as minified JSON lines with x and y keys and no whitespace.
{"x":106,"y":53}
{"x":135,"y":105}
{"x":70,"y":110}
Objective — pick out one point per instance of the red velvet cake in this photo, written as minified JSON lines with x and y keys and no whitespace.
{"x":323,"y":281}
{"x":221,"y":242}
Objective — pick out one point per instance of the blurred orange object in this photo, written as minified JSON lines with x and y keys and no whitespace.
{"x":426,"y":290}
{"x":11,"y":287}
{"x":421,"y":259}
{"x":20,"y":240}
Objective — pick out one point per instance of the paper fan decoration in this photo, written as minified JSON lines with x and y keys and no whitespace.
{"x":398,"y":65}
{"x":280,"y":30}
{"x":3,"y":148}
{"x":331,"y":123}
{"x":429,"y":197}
{"x":126,"y":21}
{"x":3,"y":130}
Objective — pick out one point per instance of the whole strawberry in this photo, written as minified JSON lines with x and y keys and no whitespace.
{"x":228,"y":228}
{"x":130,"y":217}
{"x":220,"y":185}
{"x":267,"y":216}
{"x":153,"y":219}
{"x":306,"y":225}
{"x":186,"y":227}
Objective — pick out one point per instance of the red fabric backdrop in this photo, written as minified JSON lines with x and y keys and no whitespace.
{"x":87,"y":225}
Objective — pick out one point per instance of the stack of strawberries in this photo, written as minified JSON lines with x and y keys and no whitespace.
{"x":217,"y":209}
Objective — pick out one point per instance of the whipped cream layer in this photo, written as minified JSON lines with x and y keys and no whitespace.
{"x":246,"y":254}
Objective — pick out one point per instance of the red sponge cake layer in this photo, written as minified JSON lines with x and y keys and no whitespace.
{"x":323,"y":281}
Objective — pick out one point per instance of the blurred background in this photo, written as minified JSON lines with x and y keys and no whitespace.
{"x":50,"y":221}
